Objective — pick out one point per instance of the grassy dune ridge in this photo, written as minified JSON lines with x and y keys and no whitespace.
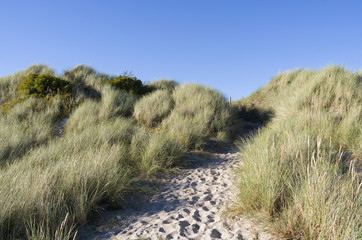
{"x":110,"y":142}
{"x":298,"y":171}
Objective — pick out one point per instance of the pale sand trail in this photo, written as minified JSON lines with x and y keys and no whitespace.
{"x":190,"y":206}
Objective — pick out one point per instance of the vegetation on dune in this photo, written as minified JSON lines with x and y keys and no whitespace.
{"x":298,"y":171}
{"x":199,"y":113}
{"x":116,"y":102}
{"x":68,"y":176}
{"x":82,"y":75}
{"x":163,"y":84}
{"x":28,"y":124}
{"x":153,"y":108}
{"x":110,"y":141}
{"x":9,"y":84}
{"x":129,"y":84}
{"x":42,"y":85}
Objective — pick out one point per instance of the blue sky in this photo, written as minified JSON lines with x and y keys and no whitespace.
{"x":233,"y":46}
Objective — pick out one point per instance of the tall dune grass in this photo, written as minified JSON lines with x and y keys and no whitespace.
{"x":55,"y":181}
{"x":163,"y":84}
{"x":151,"y":153}
{"x":298,"y":171}
{"x":28,"y":124}
{"x":116,"y":102}
{"x":153,"y":108}
{"x":199,"y":113}
{"x":84,"y":76}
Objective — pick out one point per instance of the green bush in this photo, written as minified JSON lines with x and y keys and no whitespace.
{"x":9,"y":84}
{"x":129,"y":84}
{"x":42,"y":85}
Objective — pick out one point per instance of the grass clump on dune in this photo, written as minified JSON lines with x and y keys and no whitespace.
{"x":190,"y":114}
{"x":117,"y":102}
{"x":298,"y":171}
{"x":70,"y":176}
{"x":28,"y":124}
{"x":82,"y":75}
{"x":151,"y":153}
{"x":163,"y":84}
{"x":153,"y":108}
{"x":199,"y":113}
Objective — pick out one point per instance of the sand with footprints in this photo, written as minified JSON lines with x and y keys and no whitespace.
{"x":189,"y":206}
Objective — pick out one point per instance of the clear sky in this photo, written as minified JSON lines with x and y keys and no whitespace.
{"x":233,"y":46}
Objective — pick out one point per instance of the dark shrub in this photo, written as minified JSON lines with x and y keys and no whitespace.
{"x":252,"y":113}
{"x":129,"y":84}
{"x":42,"y":85}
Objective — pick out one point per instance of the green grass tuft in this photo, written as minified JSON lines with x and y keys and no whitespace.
{"x":199,"y":113}
{"x":151,"y":109}
{"x":163,"y":84}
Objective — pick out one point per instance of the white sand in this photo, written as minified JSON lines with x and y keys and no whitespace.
{"x":189,"y":207}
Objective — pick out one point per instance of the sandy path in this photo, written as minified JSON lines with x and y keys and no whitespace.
{"x":59,"y":127}
{"x":189,"y":207}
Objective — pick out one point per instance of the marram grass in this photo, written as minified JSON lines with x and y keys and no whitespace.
{"x":298,"y":171}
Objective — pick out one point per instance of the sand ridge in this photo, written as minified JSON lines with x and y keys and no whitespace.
{"x":190,"y":206}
